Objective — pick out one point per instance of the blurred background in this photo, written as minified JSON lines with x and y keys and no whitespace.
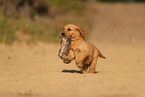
{"x":42,"y":20}
{"x":116,"y":27}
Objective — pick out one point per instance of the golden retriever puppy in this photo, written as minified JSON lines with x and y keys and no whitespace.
{"x":84,"y":53}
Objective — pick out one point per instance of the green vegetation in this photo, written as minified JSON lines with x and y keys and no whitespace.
{"x":7,"y":31}
{"x":42,"y":20}
{"x":38,"y":20}
{"x":121,"y":0}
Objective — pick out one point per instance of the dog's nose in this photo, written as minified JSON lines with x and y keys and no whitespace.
{"x":62,"y":34}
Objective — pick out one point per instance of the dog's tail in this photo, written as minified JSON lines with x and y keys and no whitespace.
{"x":101,"y":55}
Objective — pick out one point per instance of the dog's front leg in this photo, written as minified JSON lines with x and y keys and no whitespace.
{"x":69,"y":57}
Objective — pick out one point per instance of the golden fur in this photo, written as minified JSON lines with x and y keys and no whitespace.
{"x":84,"y":53}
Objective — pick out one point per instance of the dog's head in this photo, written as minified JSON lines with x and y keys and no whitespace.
{"x":73,"y":31}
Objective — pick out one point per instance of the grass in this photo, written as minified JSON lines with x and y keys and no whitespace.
{"x":7,"y":31}
{"x":45,"y":28}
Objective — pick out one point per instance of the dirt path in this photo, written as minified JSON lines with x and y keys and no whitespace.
{"x":36,"y":70}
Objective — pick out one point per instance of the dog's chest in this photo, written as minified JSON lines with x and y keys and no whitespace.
{"x":80,"y":49}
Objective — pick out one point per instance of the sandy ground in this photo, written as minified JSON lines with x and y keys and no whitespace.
{"x":36,"y":70}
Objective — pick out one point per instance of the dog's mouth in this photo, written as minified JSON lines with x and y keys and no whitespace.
{"x":70,"y":36}
{"x":65,"y":35}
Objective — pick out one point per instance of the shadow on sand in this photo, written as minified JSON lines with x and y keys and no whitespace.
{"x":74,"y":71}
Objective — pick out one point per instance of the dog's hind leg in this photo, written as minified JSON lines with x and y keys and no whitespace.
{"x":83,"y":67}
{"x":81,"y":61}
{"x":93,"y":65}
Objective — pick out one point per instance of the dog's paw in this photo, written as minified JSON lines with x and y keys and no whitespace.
{"x":67,"y":61}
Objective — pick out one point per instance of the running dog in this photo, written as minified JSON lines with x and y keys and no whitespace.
{"x":75,"y":47}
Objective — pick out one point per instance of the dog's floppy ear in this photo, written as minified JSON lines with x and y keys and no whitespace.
{"x":82,"y":32}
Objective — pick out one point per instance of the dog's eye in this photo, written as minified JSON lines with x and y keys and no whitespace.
{"x":69,"y":29}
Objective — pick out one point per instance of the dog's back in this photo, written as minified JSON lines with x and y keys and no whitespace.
{"x":94,"y":50}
